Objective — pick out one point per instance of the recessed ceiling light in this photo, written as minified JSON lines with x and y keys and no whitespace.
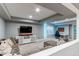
{"x":37,"y":9}
{"x":30,"y":16}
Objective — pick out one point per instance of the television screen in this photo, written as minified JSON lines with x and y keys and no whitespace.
{"x":25,"y":29}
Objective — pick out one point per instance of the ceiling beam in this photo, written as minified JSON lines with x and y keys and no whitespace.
{"x":24,"y":20}
{"x":66,"y":20}
{"x":21,"y":18}
{"x":71,"y":7}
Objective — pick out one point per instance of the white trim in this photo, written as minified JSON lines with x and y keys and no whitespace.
{"x":53,"y":50}
{"x":66,"y":20}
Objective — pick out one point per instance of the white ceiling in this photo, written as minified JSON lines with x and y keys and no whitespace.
{"x":59,"y":8}
{"x":24,"y":10}
{"x":3,"y":13}
{"x":76,"y":5}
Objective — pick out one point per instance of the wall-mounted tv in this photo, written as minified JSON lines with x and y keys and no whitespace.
{"x":25,"y":29}
{"x":61,"y":29}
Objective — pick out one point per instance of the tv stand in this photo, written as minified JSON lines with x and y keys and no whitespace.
{"x":22,"y":39}
{"x":25,"y":34}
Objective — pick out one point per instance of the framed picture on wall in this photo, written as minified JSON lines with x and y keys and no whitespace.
{"x":61,"y":29}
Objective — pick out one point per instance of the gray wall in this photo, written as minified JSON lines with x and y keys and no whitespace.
{"x":2,"y":28}
{"x":69,"y":51}
{"x":12,"y":29}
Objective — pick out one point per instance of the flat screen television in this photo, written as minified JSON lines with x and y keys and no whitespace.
{"x":25,"y":29}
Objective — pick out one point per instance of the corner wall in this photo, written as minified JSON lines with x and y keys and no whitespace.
{"x":2,"y":28}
